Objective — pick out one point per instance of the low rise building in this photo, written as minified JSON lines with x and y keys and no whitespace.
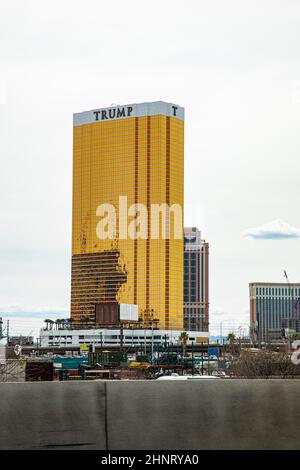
{"x":115,"y":337}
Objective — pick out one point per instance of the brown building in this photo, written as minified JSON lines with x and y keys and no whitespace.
{"x":196,"y":281}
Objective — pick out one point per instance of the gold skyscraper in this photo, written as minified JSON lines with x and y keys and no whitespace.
{"x":133,"y":152}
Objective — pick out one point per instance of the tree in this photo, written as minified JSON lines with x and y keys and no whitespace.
{"x":49,"y":324}
{"x":294,"y":336}
{"x":231,"y":338}
{"x":183,"y":338}
{"x":264,"y":364}
{"x":60,"y":323}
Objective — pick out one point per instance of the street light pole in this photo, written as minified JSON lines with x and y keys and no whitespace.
{"x":152,"y":342}
{"x":192,"y":357}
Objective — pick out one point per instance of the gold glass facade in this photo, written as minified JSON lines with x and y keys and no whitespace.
{"x":141,"y":157}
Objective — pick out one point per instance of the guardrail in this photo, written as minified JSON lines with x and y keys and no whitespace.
{"x":217,"y":414}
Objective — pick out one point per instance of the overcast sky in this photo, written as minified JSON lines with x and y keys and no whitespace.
{"x":234,"y":66}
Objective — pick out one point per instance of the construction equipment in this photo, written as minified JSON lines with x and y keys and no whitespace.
{"x":290,"y":324}
{"x":286,"y":276}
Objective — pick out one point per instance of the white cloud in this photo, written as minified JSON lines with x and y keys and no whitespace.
{"x":275,"y":230}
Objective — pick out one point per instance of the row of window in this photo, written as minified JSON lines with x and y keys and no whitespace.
{"x":271,"y":312}
{"x":284,"y":291}
{"x":87,"y":339}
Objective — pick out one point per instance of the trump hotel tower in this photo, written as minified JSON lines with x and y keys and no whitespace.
{"x":133,"y":154}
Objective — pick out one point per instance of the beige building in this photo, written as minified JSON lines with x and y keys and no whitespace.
{"x":274,"y":307}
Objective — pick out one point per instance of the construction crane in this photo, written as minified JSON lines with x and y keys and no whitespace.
{"x":287,"y":279}
{"x":295,"y":301}
{"x":288,"y":284}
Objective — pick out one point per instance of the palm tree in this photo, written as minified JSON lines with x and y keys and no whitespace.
{"x":183,"y":338}
{"x":231,"y":339}
{"x":63,"y":323}
{"x":294,"y":336}
{"x":60,"y":322}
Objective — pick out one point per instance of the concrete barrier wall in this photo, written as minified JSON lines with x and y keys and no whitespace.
{"x":217,"y":414}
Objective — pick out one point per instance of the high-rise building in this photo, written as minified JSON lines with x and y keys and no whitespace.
{"x":274,"y":307}
{"x":196,"y":281}
{"x":128,"y":159}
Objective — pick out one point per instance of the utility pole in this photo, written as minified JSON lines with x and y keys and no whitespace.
{"x":7,"y":331}
{"x":289,"y":324}
{"x":121,"y":337}
{"x":152,"y":342}
{"x":192,"y":357}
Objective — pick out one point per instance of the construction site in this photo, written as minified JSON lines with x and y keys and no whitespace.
{"x":47,"y":364}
